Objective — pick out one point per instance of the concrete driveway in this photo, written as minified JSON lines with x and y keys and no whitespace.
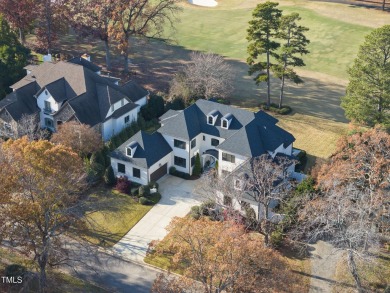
{"x":177,"y":198}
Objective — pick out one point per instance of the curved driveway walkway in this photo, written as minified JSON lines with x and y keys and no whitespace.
{"x":177,"y":198}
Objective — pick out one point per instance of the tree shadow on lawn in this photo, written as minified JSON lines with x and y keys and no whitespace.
{"x":155,"y":62}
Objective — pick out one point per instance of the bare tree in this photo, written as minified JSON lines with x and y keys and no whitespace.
{"x":206,"y":76}
{"x":140,"y":18}
{"x":345,"y":218}
{"x":28,"y":126}
{"x":261,"y":180}
{"x":352,"y":209}
{"x":264,"y":180}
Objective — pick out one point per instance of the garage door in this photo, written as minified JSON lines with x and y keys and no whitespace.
{"x":160,"y":172}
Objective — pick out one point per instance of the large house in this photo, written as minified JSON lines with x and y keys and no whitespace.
{"x":219,"y":133}
{"x":72,"y":90}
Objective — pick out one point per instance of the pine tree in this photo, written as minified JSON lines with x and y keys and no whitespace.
{"x":367,"y":98}
{"x":13,"y":57}
{"x":262,"y":33}
{"x":109,"y":176}
{"x":294,"y":44}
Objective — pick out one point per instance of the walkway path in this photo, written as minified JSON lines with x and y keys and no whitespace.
{"x":324,"y":259}
{"x":177,"y":198}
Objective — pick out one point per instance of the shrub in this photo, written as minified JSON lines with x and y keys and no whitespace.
{"x":153,"y":184}
{"x":197,"y":167}
{"x":15,"y":270}
{"x":143,"y":191}
{"x":97,"y":158}
{"x":306,"y":186}
{"x":302,"y":158}
{"x":172,"y":170}
{"x":195,"y":212}
{"x":144,"y":201}
{"x":154,"y":108}
{"x":123,"y":185}
{"x":250,"y":218}
{"x":109,"y":177}
{"x":206,"y":207}
{"x":274,"y":108}
{"x":277,"y":238}
{"x":175,"y":104}
{"x":104,"y":152}
{"x":97,"y":170}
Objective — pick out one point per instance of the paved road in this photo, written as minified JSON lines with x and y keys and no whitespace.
{"x":177,"y":198}
{"x":112,"y":273}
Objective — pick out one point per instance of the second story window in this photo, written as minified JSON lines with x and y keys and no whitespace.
{"x":214,"y":142}
{"x":179,"y":144}
{"x":193,"y":143}
{"x":127,"y":119}
{"x":47,"y":106}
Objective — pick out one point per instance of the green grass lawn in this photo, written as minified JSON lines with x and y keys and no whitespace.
{"x":336,"y":31}
{"x":61,"y":281}
{"x":334,"y":43}
{"x":114,"y":215}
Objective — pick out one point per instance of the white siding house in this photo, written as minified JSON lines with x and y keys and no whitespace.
{"x":219,"y":133}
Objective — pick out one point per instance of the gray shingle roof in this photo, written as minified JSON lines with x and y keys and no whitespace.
{"x":249,"y":134}
{"x":169,"y":114}
{"x":57,"y":89}
{"x":84,"y":62}
{"x":123,"y":110}
{"x":89,"y":94}
{"x":151,"y":148}
{"x":21,"y":101}
{"x":134,"y":91}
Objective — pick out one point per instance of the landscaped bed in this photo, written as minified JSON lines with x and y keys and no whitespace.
{"x":116,"y":213}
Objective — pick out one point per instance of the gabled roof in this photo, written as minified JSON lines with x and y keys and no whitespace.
{"x":249,"y":134}
{"x":20,"y":102}
{"x":85,"y":63}
{"x":88,"y":94}
{"x":134,"y":91}
{"x":123,"y":110}
{"x":169,"y":114}
{"x":57,"y":89}
{"x":151,"y":148}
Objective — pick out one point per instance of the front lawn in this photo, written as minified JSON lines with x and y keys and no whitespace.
{"x":113,"y":215}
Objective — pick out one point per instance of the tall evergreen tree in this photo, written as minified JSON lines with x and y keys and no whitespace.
{"x":13,"y":57}
{"x":367,"y":98}
{"x":262,"y":33}
{"x":294,"y":43}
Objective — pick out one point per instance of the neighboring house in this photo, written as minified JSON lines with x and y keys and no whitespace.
{"x":217,"y":132}
{"x":72,"y":90}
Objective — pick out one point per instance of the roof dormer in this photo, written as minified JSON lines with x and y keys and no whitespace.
{"x":226,"y":121}
{"x":212,"y":117}
{"x":131,"y":148}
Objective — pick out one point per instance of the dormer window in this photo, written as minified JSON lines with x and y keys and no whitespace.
{"x":129,"y":152}
{"x":212,"y":117}
{"x":130,"y":149}
{"x":226,"y":120}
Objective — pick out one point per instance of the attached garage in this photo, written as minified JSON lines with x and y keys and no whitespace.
{"x":160,"y":172}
